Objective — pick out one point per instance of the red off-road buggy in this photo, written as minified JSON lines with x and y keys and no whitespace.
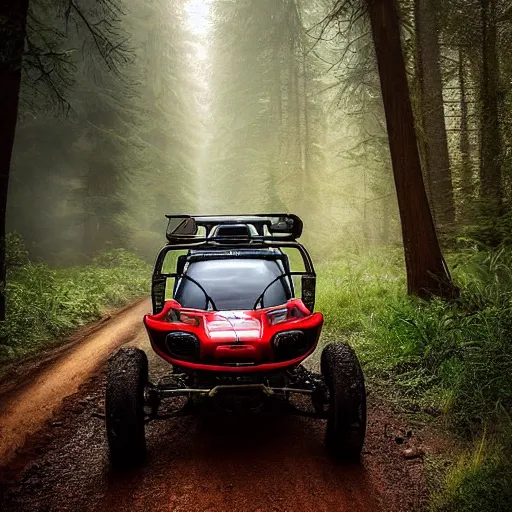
{"x":233,"y":333}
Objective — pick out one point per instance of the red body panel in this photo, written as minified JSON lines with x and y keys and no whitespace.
{"x":232,"y":336}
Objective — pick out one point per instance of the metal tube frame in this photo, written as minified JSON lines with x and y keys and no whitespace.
{"x":157,"y":393}
{"x":158,"y":276}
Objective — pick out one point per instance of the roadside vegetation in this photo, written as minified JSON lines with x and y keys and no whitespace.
{"x":44,"y":304}
{"x":449,"y":355}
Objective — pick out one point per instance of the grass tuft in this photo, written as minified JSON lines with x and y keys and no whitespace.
{"x":45,"y":304}
{"x":479,"y":481}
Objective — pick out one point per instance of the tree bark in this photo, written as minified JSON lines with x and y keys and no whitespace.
{"x":464,"y":144}
{"x":491,"y":194}
{"x":435,"y":143}
{"x":426,"y":272}
{"x":13,"y":21}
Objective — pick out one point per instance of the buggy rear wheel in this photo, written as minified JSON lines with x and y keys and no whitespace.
{"x":124,"y":407}
{"x":346,"y":423}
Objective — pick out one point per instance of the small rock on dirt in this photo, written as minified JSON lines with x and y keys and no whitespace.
{"x":413,"y":453}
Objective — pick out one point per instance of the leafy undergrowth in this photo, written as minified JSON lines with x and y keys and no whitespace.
{"x":45,"y":304}
{"x":453,"y":356}
{"x":479,"y":481}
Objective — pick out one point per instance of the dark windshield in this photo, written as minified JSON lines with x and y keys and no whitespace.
{"x":232,"y":284}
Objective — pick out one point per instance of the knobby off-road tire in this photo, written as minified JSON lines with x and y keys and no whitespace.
{"x":346,"y":424}
{"x":124,"y":407}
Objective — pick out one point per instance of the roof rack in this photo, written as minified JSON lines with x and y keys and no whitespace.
{"x":253,"y":229}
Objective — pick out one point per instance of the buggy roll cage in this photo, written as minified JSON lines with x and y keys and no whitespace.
{"x":269,"y":227}
{"x":274,"y":231}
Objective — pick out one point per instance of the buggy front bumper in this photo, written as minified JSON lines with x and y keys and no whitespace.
{"x":242,"y":368}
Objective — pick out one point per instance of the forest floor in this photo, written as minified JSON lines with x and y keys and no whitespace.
{"x":53,"y":452}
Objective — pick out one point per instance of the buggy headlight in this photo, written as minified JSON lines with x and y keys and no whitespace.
{"x":277,"y":316}
{"x":290,"y":345}
{"x":174,"y":315}
{"x":183,"y":345}
{"x":190,"y":319}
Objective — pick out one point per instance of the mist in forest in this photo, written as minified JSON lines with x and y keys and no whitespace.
{"x":206,"y":106}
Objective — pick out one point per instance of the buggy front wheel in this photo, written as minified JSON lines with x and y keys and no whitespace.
{"x":346,"y":423}
{"x":124,"y":407}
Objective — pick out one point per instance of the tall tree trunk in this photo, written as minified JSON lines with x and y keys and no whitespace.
{"x":305,"y":93}
{"x":464,"y":144}
{"x":273,"y":198}
{"x":426,"y":272}
{"x":435,"y":143}
{"x":292,"y":128}
{"x":285,"y":106}
{"x":490,"y":143}
{"x":297,"y":114}
{"x":13,"y":21}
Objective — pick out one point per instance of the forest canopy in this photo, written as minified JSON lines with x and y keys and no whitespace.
{"x":249,"y":115}
{"x":267,"y":106}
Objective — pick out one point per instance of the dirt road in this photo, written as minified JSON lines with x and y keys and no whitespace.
{"x":208,"y":462}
